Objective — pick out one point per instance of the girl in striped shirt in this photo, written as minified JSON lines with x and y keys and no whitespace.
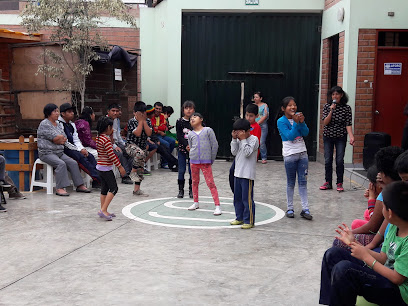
{"x":106,"y":160}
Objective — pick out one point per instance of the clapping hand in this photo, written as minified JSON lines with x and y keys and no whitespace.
{"x":346,"y":235}
{"x":358,"y":251}
{"x":301,"y":117}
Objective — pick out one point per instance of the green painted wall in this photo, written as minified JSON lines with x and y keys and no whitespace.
{"x":160,"y":40}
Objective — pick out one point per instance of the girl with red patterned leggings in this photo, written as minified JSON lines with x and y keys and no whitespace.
{"x":203,"y":147}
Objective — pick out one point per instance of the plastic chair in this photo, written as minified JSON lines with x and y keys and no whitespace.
{"x":48,"y":177}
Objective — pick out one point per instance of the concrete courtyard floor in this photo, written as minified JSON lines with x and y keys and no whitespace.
{"x":57,"y":251}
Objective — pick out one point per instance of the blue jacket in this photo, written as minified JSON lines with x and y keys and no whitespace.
{"x":289,"y":132}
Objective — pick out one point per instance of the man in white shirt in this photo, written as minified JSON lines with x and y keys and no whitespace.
{"x":73,"y":146}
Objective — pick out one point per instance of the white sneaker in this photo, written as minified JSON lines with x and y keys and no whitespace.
{"x":194,"y":206}
{"x":217,"y":210}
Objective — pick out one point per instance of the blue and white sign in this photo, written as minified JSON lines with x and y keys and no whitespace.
{"x":251,"y":2}
{"x":392,"y":68}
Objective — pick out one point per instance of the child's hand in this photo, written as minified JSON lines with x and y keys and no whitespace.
{"x":122,"y":171}
{"x":139,"y":116}
{"x":371,"y":192}
{"x":380,"y":180}
{"x":188,"y":148}
{"x":241,"y":135}
{"x":346,"y":236}
{"x":366,"y":192}
{"x":296,"y":118}
{"x":234,"y":134}
{"x":301,"y":117}
{"x":358,"y":251}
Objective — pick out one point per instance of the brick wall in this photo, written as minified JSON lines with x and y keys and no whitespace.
{"x":329,"y":3}
{"x":325,"y":82}
{"x":127,"y":38}
{"x":364,"y":102}
{"x":10,"y":108}
{"x":324,"y":85}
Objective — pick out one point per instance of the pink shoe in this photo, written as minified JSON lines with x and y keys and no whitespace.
{"x":340,"y":187}
{"x":326,"y":186}
{"x":264,"y":161}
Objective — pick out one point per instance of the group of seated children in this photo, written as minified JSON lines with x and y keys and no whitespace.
{"x":158,"y":118}
{"x":354,"y":265}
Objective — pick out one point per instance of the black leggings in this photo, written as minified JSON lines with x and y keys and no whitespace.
{"x":108,"y":182}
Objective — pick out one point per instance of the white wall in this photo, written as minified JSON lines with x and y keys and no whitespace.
{"x":361,"y":14}
{"x":161,"y":27}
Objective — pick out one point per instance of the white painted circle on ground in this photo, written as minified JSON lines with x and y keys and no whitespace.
{"x":173,"y":212}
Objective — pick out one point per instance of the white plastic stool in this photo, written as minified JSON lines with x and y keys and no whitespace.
{"x":87,"y":179}
{"x":148,"y":166}
{"x":155,"y":160}
{"x":48,"y":177}
{"x":116,"y":172}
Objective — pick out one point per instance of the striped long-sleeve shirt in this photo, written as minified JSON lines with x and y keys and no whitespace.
{"x":106,"y":156}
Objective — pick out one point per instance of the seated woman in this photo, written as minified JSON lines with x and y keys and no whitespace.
{"x":50,"y":141}
{"x":83,"y":125}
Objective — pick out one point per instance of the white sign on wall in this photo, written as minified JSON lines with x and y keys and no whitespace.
{"x":118,"y":74}
{"x":251,"y":2}
{"x":392,"y":68}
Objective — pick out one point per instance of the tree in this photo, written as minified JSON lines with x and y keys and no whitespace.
{"x":74,"y":25}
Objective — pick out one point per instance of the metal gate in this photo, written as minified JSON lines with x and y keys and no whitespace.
{"x":277,"y":54}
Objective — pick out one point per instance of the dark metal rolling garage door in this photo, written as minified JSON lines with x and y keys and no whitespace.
{"x":277,"y":54}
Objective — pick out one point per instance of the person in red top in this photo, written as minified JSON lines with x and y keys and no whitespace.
{"x":251,"y":112}
{"x":106,"y":159}
{"x":160,"y":127}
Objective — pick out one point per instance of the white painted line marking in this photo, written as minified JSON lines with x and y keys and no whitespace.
{"x":155,"y":214}
{"x":170,"y":205}
{"x":279,"y":214}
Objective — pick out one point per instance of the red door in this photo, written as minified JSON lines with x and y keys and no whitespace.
{"x":391,"y":92}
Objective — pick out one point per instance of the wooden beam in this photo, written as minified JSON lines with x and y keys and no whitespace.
{"x":20,"y":37}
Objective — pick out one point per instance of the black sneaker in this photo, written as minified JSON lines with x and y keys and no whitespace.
{"x":306,"y":214}
{"x":126,"y":180}
{"x":290,"y":214}
{"x":2,"y":209}
{"x":146,"y":172}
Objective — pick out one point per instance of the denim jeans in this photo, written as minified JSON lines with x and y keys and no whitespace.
{"x":297,"y":163}
{"x":343,"y":277}
{"x":329,"y":144}
{"x":264,"y":134}
{"x":183,"y":163}
{"x":168,"y":142}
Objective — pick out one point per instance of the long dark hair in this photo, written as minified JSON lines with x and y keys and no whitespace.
{"x":344,"y":99}
{"x":86,"y":114}
{"x":280,"y":112}
{"x":103,"y":124}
